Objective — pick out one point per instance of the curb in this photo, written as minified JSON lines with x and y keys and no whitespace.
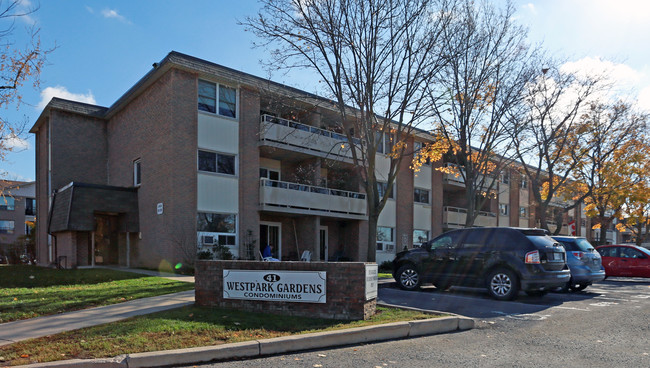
{"x":278,"y":345}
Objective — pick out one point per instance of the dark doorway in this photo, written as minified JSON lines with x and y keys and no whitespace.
{"x":106,"y":240}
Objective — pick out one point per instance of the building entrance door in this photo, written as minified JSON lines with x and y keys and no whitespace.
{"x":271,"y":234}
{"x":105,"y":240}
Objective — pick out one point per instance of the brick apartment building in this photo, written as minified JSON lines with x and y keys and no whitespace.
{"x":17,"y":207}
{"x":197,"y":153}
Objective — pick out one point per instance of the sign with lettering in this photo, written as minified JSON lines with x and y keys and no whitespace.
{"x":271,"y":285}
{"x":371,"y":281}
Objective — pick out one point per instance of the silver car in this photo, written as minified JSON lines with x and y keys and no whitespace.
{"x":584,"y":262}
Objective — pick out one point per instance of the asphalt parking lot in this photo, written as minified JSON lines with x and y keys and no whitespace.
{"x":606,"y":325}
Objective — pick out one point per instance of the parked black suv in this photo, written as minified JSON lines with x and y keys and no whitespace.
{"x":502,"y":259}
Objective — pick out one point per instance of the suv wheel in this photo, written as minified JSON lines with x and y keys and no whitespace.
{"x":578,"y":287}
{"x":408,"y":278}
{"x":503,"y":284}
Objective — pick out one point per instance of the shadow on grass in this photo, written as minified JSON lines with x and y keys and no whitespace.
{"x":24,"y":276}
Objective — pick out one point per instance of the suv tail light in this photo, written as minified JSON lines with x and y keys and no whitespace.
{"x":532,"y":257}
{"x":578,"y":255}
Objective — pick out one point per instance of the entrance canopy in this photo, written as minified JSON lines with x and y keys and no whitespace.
{"x":75,"y":205}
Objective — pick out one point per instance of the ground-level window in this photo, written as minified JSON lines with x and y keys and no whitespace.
{"x":216,"y":162}
{"x":503,"y":209}
{"x":7,"y":203}
{"x":523,"y":212}
{"x":385,"y":239}
{"x":420,"y":237}
{"x":217,"y":228}
{"x":6,"y":226}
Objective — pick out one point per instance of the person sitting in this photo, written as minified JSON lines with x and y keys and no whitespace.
{"x":267,"y":254}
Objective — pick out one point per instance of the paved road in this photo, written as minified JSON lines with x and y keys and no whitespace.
{"x":606,"y":325}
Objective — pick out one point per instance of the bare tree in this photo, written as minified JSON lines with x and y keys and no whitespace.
{"x":546,"y":137}
{"x":376,"y":60}
{"x":476,"y":94}
{"x":18,"y":65}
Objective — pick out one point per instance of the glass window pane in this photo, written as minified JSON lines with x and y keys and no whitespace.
{"x":384,"y":234}
{"x":7,"y":203}
{"x":226,"y":164}
{"x":207,"y":161}
{"x":207,"y":96}
{"x":420,"y":236}
{"x":216,"y":223}
{"x":227,"y":101}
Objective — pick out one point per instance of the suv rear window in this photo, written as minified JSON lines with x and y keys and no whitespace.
{"x":541,"y":240}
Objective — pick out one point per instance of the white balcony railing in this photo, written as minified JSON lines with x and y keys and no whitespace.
{"x":307,"y":199}
{"x":289,"y":133}
{"x":457,"y":177}
{"x":456,"y":216}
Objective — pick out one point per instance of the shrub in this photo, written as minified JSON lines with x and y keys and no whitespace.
{"x":204,"y":254}
{"x":386,"y":267}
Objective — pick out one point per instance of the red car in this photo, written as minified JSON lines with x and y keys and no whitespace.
{"x":625,"y":260}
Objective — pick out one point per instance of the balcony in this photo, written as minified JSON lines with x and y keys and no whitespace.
{"x":458,"y":180}
{"x":454,"y":217}
{"x":292,"y":135}
{"x":282,"y":196}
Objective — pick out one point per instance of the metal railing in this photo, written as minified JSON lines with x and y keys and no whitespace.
{"x":307,"y":128}
{"x":310,"y":188}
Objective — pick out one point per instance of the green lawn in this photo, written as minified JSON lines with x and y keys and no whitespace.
{"x":385,"y":275}
{"x":30,"y":291}
{"x":179,"y":328}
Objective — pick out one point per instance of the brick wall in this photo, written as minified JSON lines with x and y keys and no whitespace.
{"x":249,"y":168}
{"x":345,"y":289}
{"x":42,"y":206}
{"x":159,"y":127}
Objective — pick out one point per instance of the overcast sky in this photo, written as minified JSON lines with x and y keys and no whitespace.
{"x":105,"y":47}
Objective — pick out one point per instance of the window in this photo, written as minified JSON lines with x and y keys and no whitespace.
{"x":421,"y":196}
{"x":503,"y":209}
{"x":382,"y":187}
{"x":269,"y":174}
{"x":7,"y":203}
{"x":447,"y":240}
{"x":30,"y":206}
{"x":6,"y":227}
{"x":216,"y":162}
{"x":477,"y":238}
{"x":524,"y":183}
{"x":523,"y":212}
{"x":505,"y":178}
{"x":209,"y":100}
{"x":417,"y":147}
{"x":385,"y":239}
{"x":420,"y":237}
{"x":385,"y":142}
{"x":222,"y":226}
{"x":137,"y":173}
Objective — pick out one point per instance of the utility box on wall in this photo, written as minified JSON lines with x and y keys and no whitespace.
{"x":334,"y":290}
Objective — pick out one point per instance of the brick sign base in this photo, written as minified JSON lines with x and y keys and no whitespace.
{"x":346,"y":282}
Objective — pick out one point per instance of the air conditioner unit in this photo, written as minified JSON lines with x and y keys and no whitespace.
{"x":208,"y":240}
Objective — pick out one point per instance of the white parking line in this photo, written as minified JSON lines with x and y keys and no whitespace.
{"x":573,"y":308}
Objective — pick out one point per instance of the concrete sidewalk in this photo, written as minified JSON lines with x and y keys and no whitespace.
{"x":11,"y":332}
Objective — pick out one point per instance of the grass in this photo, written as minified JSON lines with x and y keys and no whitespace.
{"x":179,"y":328}
{"x":30,"y":291}
{"x":385,"y":275}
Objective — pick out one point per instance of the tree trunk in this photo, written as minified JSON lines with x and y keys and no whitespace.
{"x":372,"y":237}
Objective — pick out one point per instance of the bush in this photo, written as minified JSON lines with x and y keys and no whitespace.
{"x":222,"y":252}
{"x":204,"y":254}
{"x":386,"y":267}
